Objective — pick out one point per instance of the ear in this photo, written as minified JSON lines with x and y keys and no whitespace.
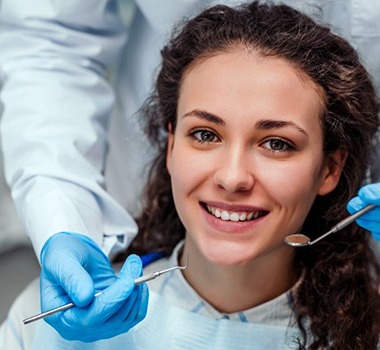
{"x":331,"y":172}
{"x":169,"y":150}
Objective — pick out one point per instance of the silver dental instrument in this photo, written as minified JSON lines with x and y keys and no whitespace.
{"x":137,"y":281}
{"x":300,"y":240}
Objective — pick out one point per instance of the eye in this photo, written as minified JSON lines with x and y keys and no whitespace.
{"x":204,"y":136}
{"x":278,"y":145}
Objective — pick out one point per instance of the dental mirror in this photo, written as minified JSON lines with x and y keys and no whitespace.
{"x":300,"y":240}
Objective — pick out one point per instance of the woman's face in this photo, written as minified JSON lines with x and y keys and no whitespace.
{"x":246,"y":159}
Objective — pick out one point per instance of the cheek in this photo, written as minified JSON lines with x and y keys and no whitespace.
{"x":293,"y":183}
{"x":187,"y":175}
{"x":187,"y":170}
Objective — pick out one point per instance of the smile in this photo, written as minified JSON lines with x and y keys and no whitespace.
{"x":234,"y":215}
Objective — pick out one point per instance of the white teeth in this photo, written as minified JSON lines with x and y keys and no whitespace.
{"x":243,"y":216}
{"x":232,"y":216}
{"x":225,"y":216}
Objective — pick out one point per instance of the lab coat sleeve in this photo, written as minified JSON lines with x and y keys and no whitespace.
{"x":54,"y":58}
{"x":14,"y":335}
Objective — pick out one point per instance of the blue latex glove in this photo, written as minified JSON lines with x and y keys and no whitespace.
{"x":73,"y":269}
{"x":369,"y":194}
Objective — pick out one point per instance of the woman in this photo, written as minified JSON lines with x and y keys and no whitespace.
{"x":263,"y":120}
{"x":336,"y":297}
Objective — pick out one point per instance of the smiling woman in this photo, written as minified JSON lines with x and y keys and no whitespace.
{"x":263,"y":122}
{"x":269,"y":120}
{"x":258,"y":130}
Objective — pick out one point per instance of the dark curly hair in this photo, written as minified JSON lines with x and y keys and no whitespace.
{"x":337,"y":301}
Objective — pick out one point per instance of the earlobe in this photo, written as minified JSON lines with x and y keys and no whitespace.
{"x":332,"y":171}
{"x":170,"y":144}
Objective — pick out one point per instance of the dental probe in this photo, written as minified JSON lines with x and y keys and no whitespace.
{"x":137,"y":281}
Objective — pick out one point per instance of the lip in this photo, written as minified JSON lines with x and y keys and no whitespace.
{"x":237,"y":227}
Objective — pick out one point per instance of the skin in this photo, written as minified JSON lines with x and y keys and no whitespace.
{"x":248,"y":139}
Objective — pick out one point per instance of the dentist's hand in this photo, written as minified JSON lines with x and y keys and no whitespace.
{"x":369,"y":194}
{"x":73,"y":269}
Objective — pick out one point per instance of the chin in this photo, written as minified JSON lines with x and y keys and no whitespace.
{"x":227,"y":254}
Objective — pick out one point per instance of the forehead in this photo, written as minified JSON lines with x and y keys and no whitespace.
{"x":239,"y":81}
{"x":254,"y":56}
{"x":257,"y":54}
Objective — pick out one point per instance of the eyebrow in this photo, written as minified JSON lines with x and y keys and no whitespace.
{"x":206,"y":116}
{"x":266,"y":124}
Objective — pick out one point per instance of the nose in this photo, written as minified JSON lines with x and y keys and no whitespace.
{"x":235,"y":173}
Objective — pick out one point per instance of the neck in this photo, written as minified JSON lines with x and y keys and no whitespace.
{"x":232,"y":289}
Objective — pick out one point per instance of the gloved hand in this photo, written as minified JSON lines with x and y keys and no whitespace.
{"x":369,"y":194}
{"x":73,"y":269}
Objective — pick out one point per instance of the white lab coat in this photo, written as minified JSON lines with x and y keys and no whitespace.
{"x":60,"y":60}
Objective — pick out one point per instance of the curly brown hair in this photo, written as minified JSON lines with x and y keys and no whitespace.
{"x":337,"y":304}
